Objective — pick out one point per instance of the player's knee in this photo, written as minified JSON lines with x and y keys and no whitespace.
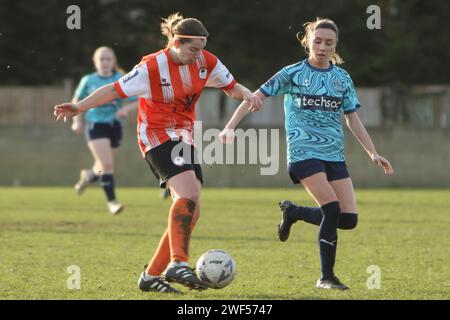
{"x":108,"y":167}
{"x":348,"y":221}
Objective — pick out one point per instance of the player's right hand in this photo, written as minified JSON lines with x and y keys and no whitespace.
{"x":65,"y":111}
{"x":226,"y":136}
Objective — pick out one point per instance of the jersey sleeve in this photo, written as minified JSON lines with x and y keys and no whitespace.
{"x":279,"y":84}
{"x":135,"y":83}
{"x":220,"y":77}
{"x":81,"y":90}
{"x":351,"y":102}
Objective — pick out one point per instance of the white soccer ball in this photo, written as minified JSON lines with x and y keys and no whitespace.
{"x":216,"y":268}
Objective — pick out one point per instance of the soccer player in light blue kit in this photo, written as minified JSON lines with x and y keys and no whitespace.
{"x":103,"y":126}
{"x":316,"y":93}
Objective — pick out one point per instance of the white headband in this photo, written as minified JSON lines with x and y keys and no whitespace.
{"x":191,"y":37}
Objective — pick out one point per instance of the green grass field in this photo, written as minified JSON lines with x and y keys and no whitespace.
{"x":44,"y":230}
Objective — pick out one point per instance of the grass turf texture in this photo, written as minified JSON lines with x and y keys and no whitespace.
{"x":45,"y":230}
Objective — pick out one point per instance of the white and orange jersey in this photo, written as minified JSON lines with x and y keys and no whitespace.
{"x":168,"y":94}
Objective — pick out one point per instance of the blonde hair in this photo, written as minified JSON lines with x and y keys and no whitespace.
{"x":320,"y":23}
{"x":175,"y":24}
{"x":99,"y":50}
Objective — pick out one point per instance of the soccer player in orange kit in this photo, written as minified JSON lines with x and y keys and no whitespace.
{"x":169,"y":83}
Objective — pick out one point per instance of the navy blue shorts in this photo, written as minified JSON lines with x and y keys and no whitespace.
{"x":111,"y":131}
{"x":334,"y":170}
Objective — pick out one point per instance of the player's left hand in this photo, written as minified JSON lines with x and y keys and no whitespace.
{"x":383,"y":163}
{"x":254,"y":101}
{"x":66,"y":111}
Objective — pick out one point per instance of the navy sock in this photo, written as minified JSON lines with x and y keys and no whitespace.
{"x":314,"y":216}
{"x":328,"y":238}
{"x":107,"y":183}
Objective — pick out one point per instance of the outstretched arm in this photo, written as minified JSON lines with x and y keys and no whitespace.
{"x":227,"y":134}
{"x":359,"y":131}
{"x":239,"y":92}
{"x":97,"y":98}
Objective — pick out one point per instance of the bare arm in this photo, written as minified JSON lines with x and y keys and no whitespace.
{"x":359,"y":131}
{"x":241,"y":112}
{"x":227,"y":134}
{"x":239,"y":92}
{"x":96,"y":99}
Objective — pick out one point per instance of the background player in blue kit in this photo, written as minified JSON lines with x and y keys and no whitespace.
{"x":316,"y":92}
{"x":103,"y":126}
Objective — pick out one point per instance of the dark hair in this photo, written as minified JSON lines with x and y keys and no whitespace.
{"x":320,"y":23}
{"x":175,"y":24}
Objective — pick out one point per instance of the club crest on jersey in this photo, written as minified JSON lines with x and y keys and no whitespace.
{"x":306,"y":83}
{"x":337,"y":84}
{"x":203,"y":73}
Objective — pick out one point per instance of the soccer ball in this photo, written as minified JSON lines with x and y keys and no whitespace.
{"x":216,"y":268}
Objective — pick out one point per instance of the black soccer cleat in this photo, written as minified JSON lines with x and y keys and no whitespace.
{"x":155,"y":284}
{"x":185,"y":276}
{"x":284,"y":228}
{"x":331,"y":283}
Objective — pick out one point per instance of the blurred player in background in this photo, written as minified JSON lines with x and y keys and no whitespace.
{"x":169,"y":83}
{"x":316,"y":92}
{"x":102,"y":126}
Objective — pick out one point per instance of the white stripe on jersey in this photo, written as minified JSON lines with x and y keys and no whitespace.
{"x":201,"y":61}
{"x":143,"y":135}
{"x":185,"y":78}
{"x":150,"y":141}
{"x":164,"y":75}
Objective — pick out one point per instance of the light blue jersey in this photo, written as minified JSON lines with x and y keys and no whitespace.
{"x":313,"y":102}
{"x":107,"y":112}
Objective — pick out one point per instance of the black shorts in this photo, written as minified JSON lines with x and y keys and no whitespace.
{"x":111,"y":131}
{"x":334,"y":170}
{"x":164,"y":167}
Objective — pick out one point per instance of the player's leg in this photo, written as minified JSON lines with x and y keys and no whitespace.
{"x":341,"y":183}
{"x":184,"y":180}
{"x":347,"y":200}
{"x":323,"y":194}
{"x":88,"y":176}
{"x":162,"y":256}
{"x":103,"y":154}
{"x":185,"y":190}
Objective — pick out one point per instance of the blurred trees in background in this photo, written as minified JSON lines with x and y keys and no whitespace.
{"x":253,"y":38}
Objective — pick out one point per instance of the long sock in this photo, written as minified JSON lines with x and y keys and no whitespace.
{"x":314,"y":216}
{"x":180,"y":220}
{"x":161,"y":258}
{"x":328,"y":238}
{"x":107,"y":183}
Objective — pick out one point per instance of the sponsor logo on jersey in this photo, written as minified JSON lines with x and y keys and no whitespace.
{"x":164,"y":83}
{"x":323,"y":103}
{"x":203,"y":73}
{"x":131,"y":76}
